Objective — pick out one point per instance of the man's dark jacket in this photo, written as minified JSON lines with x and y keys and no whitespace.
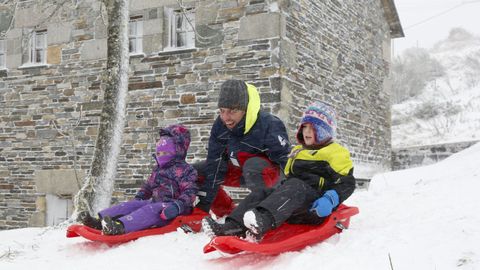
{"x":258,"y":133}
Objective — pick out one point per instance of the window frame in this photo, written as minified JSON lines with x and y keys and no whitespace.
{"x":137,"y":36}
{"x":3,"y":53}
{"x":174,"y":31}
{"x":35,"y":51}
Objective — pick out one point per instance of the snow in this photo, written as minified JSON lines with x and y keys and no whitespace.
{"x":458,"y":89}
{"x":421,"y":218}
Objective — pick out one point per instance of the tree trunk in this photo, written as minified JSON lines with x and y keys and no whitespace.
{"x":97,"y":189}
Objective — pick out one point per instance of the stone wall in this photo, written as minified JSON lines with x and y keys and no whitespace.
{"x":339,"y":52}
{"x":49,"y":115}
{"x":410,"y":157}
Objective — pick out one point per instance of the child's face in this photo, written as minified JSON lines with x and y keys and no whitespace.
{"x":164,"y":153}
{"x":308,"y":134}
{"x":165,"y":150}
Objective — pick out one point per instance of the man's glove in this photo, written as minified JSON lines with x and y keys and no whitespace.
{"x":171,"y":210}
{"x":200,"y":201}
{"x":203,"y":206}
{"x":324,"y":205}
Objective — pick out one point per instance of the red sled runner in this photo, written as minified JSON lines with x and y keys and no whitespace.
{"x":287,"y":237}
{"x":192,"y":221}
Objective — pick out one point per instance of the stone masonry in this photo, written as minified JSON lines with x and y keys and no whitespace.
{"x":292,"y":51}
{"x":409,"y":157}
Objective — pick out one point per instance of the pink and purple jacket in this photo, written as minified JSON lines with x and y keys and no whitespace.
{"x":176,"y":180}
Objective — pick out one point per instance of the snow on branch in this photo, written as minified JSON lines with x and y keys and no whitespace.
{"x":200,"y":38}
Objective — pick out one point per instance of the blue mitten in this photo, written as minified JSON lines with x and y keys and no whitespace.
{"x":170,"y":210}
{"x":324,"y":205}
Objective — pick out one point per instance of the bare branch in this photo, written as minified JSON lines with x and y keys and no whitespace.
{"x":201,"y":38}
{"x":7,"y":2}
{"x":390,"y":259}
{"x":102,"y":14}
{"x":10,"y":26}
{"x":9,"y":254}
{"x":58,"y":129}
{"x":57,"y":6}
{"x":53,"y":13}
{"x":70,"y":135}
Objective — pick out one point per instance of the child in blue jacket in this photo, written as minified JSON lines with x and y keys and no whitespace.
{"x":169,"y":191}
{"x":319,"y":177}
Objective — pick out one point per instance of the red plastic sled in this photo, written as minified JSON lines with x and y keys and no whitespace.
{"x":287,"y":237}
{"x":194,"y":221}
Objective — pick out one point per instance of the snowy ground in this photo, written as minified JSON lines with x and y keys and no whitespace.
{"x":422,"y":218}
{"x":456,"y":95}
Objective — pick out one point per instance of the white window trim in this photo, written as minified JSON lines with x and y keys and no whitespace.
{"x":32,"y":50}
{"x":30,"y":65}
{"x":171,"y":14}
{"x":4,"y":54}
{"x":137,"y":36}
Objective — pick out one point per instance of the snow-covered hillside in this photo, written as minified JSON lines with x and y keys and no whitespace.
{"x":422,"y":218}
{"x":448,"y":110}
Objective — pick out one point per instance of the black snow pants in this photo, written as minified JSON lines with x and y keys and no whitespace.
{"x":290,"y":202}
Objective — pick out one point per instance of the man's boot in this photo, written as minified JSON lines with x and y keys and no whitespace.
{"x":258,"y":222}
{"x":229,"y":228}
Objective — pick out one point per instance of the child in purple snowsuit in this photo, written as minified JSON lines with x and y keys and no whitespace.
{"x":169,"y":191}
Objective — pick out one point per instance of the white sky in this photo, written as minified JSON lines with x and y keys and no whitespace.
{"x":425,"y":22}
{"x":421,"y":218}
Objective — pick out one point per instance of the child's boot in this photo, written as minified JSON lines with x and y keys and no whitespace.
{"x":229,"y":228}
{"x":89,"y":221}
{"x":258,"y":222}
{"x":111,"y":226}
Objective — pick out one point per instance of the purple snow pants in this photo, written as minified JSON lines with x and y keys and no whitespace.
{"x":136,"y":215}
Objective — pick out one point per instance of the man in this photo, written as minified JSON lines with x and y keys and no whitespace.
{"x":247,"y":147}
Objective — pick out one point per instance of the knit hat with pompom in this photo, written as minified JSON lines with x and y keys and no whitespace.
{"x":323,"y":119}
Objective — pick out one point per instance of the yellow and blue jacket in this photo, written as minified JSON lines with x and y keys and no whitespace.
{"x":329,"y":167}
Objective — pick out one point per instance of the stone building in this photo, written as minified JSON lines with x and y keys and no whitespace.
{"x":294,"y":52}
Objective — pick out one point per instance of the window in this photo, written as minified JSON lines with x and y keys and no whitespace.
{"x":2,"y":53}
{"x":135,"y":35}
{"x":180,"y":29}
{"x":38,"y":47}
{"x":58,"y":209}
